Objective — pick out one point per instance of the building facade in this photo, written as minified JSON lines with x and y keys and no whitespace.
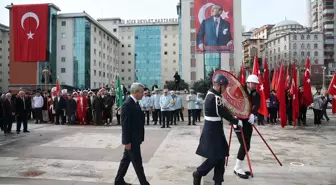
{"x":87,"y":53}
{"x":291,"y":42}
{"x":149,"y":51}
{"x":323,"y":19}
{"x":262,"y":32}
{"x":4,"y":58}
{"x":252,"y":48}
{"x":198,"y":66}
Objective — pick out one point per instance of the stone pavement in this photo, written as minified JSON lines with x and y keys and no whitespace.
{"x":83,"y":155}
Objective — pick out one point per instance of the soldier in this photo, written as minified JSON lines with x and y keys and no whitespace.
{"x":156,"y":106}
{"x":165,"y":104}
{"x":191,"y":101}
{"x":199,"y":106}
{"x":213,"y":145}
{"x":252,"y":82}
{"x":145,"y":103}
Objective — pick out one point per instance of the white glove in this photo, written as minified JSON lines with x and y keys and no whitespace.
{"x":240,"y":124}
{"x":251,"y":119}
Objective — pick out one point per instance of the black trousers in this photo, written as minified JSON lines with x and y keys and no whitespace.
{"x":317,"y":116}
{"x":302,"y":114}
{"x":198,"y":114}
{"x":2,"y":123}
{"x":38,"y":115}
{"x":191,"y":114}
{"x":217,"y":165}
{"x":134,"y":156}
{"x":89,"y":116}
{"x":289,"y":112}
{"x":261,"y":119}
{"x":165,"y":118}
{"x":273,"y":114}
{"x":177,"y":86}
{"x":180,"y":115}
{"x":324,"y":113}
{"x":147,"y":116}
{"x":60,"y":113}
{"x":7,"y":125}
{"x":173,"y":115}
{"x":247,"y":131}
{"x":157,"y":116}
{"x":98,"y":117}
{"x":118,"y":118}
{"x":22,"y":118}
{"x":107,"y":114}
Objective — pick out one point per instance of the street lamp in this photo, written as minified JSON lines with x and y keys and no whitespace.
{"x":323,"y":77}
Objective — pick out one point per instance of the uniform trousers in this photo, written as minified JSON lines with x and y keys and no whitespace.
{"x":198,"y":114}
{"x":173,"y":115}
{"x":191,"y":116}
{"x":157,"y":116}
{"x":22,"y":118}
{"x":147,"y":116}
{"x":180,"y":115}
{"x":247,"y":131}
{"x":302,"y":114}
{"x":165,"y":118}
{"x":134,"y":156}
{"x":217,"y":165}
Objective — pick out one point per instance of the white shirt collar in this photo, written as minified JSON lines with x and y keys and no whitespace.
{"x":135,"y":100}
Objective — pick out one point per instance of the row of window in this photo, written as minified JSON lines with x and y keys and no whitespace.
{"x":1,"y":42}
{"x":303,"y":54}
{"x":63,"y":59}
{"x":294,"y":38}
{"x":147,"y":37}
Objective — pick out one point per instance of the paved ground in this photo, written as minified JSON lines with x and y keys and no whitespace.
{"x":83,"y":155}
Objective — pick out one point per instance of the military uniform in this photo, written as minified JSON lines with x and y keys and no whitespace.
{"x":213,"y":145}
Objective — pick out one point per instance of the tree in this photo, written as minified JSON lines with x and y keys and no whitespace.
{"x":170,"y":85}
{"x":203,"y":86}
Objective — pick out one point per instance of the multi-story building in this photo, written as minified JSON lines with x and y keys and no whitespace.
{"x":291,"y":42}
{"x":4,"y":58}
{"x":87,"y":53}
{"x":149,"y":51}
{"x":262,"y":32}
{"x":323,"y":19}
{"x":196,"y":66}
{"x":252,"y":48}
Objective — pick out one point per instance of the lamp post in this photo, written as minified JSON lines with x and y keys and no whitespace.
{"x":46,"y":75}
{"x":323,"y":77}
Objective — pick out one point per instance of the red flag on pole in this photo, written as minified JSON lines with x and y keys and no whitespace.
{"x":58,"y":86}
{"x":281,"y":97}
{"x":266,"y":80}
{"x":332,"y":86}
{"x":295,"y":94}
{"x":307,"y":93}
{"x":260,"y":89}
{"x":30,"y":29}
{"x":288,"y":80}
{"x":242,"y":74}
{"x":334,"y":104}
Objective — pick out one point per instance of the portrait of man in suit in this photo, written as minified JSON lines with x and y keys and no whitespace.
{"x":214,"y":31}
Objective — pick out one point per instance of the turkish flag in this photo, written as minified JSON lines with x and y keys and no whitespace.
{"x":334,"y":104}
{"x":288,"y":80}
{"x":266,"y":80}
{"x":295,"y":94}
{"x":332,"y":86}
{"x":260,"y":89}
{"x":281,"y":97}
{"x":30,"y":29}
{"x":275,"y":79}
{"x":58,"y":86}
{"x":242,"y":77}
{"x":307,"y":93}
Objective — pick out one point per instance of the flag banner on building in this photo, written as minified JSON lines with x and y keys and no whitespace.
{"x":119,"y":92}
{"x":30,"y":32}
{"x":281,"y":97}
{"x":307,"y":92}
{"x":266,"y":80}
{"x":214,"y":26}
{"x":260,"y":88}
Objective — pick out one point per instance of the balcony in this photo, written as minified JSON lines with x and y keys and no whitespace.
{"x":329,"y":41}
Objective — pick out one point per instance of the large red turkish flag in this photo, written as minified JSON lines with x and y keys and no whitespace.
{"x":242,"y":77}
{"x":307,"y":93}
{"x":266,"y":80}
{"x":260,"y":88}
{"x":334,"y":104}
{"x":295,"y":93}
{"x":281,"y":96}
{"x":332,"y":86}
{"x":30,"y":29}
{"x":288,"y":80}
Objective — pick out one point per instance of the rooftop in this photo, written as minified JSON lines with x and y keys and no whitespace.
{"x":4,"y":27}
{"x":85,"y":15}
{"x":286,"y":22}
{"x":50,"y":4}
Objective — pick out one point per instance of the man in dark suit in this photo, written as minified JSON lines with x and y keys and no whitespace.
{"x":22,"y":106}
{"x":133,"y":134}
{"x":9,"y":112}
{"x":214,"y":30}
{"x":60,"y":105}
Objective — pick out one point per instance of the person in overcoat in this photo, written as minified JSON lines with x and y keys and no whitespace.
{"x":213,"y":145}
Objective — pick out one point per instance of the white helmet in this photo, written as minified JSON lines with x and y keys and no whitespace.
{"x":252,"y":79}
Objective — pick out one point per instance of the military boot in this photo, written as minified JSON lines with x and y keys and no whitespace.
{"x":197,"y":178}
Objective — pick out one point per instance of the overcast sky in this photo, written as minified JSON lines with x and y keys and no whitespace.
{"x":255,"y":12}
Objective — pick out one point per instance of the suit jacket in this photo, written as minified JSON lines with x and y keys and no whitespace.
{"x":22,"y":108}
{"x":60,"y":104}
{"x":207,"y":32}
{"x":132,"y":122}
{"x":8,"y":108}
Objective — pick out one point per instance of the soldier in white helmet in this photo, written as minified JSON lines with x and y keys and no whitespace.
{"x":252,"y":82}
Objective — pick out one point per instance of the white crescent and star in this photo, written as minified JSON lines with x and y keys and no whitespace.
{"x":201,"y":12}
{"x":34,"y":16}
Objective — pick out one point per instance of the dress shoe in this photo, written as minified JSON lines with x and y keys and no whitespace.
{"x":26,"y":131}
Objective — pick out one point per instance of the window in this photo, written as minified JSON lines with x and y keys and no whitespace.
{"x":315,"y":46}
{"x":136,"y":37}
{"x":174,"y":52}
{"x":129,"y":37}
{"x":174,"y":44}
{"x":63,"y":47}
{"x":63,"y":59}
{"x":129,"y":70}
{"x":165,"y":44}
{"x":122,"y":45}
{"x":62,"y":70}
{"x":315,"y":37}
{"x":122,"y":54}
{"x":129,"y":45}
{"x":174,"y":61}
{"x":0,"y":49}
{"x":295,"y":53}
{"x":95,"y":62}
{"x":302,"y":37}
{"x":165,"y":36}
{"x":94,"y":51}
{"x":294,"y":37}
{"x":63,"y":35}
{"x":63,"y":23}
{"x":316,"y":61}
{"x":308,"y":53}
{"x":316,"y":53}
{"x":166,"y":53}
{"x":285,"y":55}
{"x":302,"y":54}
{"x":129,"y":62}
{"x":114,"y":30}
{"x":285,"y":47}
{"x":122,"y":62}
{"x":129,"y":53}
{"x":308,"y":46}
{"x":302,"y":46}
{"x":129,"y":78}
{"x":122,"y":70}
{"x":122,"y":78}
{"x":94,"y":72}
{"x":308,"y":37}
